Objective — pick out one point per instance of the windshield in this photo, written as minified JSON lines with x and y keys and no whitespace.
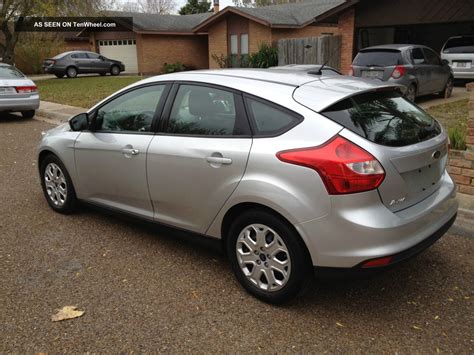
{"x":385,"y":118}
{"x":10,"y":73}
{"x":378,"y":58}
{"x":459,"y":45}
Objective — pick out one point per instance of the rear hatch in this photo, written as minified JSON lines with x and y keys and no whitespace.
{"x":410,"y":144}
{"x":376,"y":63}
{"x":459,"y":51}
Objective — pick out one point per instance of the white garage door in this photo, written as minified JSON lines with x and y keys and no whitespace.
{"x":124,"y":50}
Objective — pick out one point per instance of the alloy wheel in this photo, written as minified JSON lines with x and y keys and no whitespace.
{"x":263,"y":257}
{"x":55,"y":183}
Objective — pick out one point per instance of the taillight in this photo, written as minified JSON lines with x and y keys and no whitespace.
{"x":26,"y":89}
{"x":343,"y":166}
{"x":398,"y":72}
{"x":377,"y":262}
{"x":50,"y":62}
{"x":351,"y":71}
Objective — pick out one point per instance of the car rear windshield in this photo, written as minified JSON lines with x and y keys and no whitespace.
{"x":10,"y":73}
{"x":384,"y":118}
{"x":459,"y":45}
{"x":378,"y":58}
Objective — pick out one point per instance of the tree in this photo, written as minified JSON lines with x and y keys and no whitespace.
{"x":10,"y":10}
{"x":160,"y":7}
{"x":195,"y":7}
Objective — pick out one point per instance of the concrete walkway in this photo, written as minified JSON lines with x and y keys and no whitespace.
{"x":56,"y":113}
{"x":459,"y":93}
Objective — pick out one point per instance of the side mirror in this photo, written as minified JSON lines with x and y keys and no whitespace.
{"x":79,"y":122}
{"x":445,"y":62}
{"x":101,"y":58}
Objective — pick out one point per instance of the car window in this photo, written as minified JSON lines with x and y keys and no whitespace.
{"x":459,"y":45}
{"x":130,"y":112}
{"x":93,"y":55}
{"x":417,"y":56}
{"x":202,"y":110}
{"x":8,"y":72}
{"x":79,"y":55}
{"x":431,"y":57}
{"x":269,"y":119}
{"x":385,"y":118}
{"x":379,"y":57}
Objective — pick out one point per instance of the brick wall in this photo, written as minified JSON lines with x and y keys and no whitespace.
{"x":258,"y":34}
{"x":217,"y":37}
{"x":153,"y":51}
{"x":461,"y":163}
{"x":347,"y":30}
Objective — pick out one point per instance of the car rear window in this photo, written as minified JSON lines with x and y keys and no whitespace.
{"x":378,"y":58}
{"x":384,"y":118}
{"x":459,"y":45}
{"x":10,"y":73}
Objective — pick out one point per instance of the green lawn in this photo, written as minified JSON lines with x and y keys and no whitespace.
{"x":453,"y":116}
{"x":82,"y":91}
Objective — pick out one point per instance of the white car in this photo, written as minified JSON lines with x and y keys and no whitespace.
{"x":17,"y":92}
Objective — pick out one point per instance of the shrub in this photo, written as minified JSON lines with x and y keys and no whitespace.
{"x":457,"y":137}
{"x":267,"y":56}
{"x":174,"y":67}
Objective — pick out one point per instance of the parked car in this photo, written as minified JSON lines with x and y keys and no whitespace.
{"x":81,"y":62}
{"x":458,"y":51}
{"x":17,"y":92}
{"x":290,"y":172}
{"x":309,"y":68}
{"x":417,"y":67}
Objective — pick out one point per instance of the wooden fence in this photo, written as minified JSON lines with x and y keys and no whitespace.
{"x":310,"y":50}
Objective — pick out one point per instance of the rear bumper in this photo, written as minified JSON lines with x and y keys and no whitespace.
{"x":20,"y":104}
{"x":359,"y":227}
{"x":460,"y":74}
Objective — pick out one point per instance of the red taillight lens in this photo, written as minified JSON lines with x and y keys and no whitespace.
{"x":351,"y":71}
{"x":398,"y":72}
{"x":26,"y":89}
{"x":343,"y":166}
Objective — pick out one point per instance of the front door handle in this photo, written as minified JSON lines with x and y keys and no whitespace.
{"x":219,"y":160}
{"x":130,"y":151}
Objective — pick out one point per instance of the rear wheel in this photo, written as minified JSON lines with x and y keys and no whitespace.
{"x":28,"y":114}
{"x":71,"y":72}
{"x":448,"y":89}
{"x":267,"y":256}
{"x":57,"y":185}
{"x":59,"y":76}
{"x":411,"y":93}
{"x":115,"y":70}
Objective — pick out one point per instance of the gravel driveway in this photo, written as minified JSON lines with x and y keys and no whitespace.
{"x":147,"y":288}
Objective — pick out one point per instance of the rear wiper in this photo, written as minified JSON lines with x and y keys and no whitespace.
{"x":374,"y":65}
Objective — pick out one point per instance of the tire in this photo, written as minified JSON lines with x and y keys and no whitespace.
{"x":411,"y":93}
{"x":28,"y":114}
{"x":114,"y":70}
{"x":286,"y":252}
{"x":57,"y":185}
{"x":59,"y":76}
{"x":448,"y":89}
{"x":71,"y":72}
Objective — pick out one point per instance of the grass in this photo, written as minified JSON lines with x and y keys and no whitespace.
{"x":82,"y":91}
{"x":453,"y":116}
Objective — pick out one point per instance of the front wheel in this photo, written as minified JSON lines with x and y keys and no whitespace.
{"x":115,"y":70}
{"x":57,"y":185}
{"x":267,"y":256}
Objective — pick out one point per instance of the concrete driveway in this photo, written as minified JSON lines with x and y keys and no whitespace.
{"x":459,"y":93}
{"x":147,"y":288}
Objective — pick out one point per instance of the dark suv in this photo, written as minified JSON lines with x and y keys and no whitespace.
{"x":417,"y":67}
{"x":79,"y":62}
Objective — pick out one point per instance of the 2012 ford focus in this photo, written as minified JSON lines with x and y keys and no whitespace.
{"x":295,"y":172}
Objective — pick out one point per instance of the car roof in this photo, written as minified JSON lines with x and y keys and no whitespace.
{"x":278,"y":85}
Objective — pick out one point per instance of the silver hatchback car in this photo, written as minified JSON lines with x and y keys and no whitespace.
{"x":295,"y":172}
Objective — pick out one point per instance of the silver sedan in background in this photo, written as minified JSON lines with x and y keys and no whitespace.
{"x":17,"y":92}
{"x":295,"y":172}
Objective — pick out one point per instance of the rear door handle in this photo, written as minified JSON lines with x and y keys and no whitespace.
{"x":130,"y":151}
{"x":219,"y":160}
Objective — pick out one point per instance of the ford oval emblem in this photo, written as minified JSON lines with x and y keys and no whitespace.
{"x":436,"y":155}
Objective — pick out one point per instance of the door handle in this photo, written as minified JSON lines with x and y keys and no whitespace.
{"x":219,"y":160}
{"x":130,"y":151}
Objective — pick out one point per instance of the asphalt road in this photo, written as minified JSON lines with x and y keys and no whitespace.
{"x":147,"y":288}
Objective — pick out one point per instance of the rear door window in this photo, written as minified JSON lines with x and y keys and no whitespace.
{"x":378,"y":58}
{"x":79,"y":56}
{"x":417,"y":56}
{"x":384,"y":118}
{"x":459,"y":45}
{"x":431,"y":57}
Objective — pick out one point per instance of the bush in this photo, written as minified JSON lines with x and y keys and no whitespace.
{"x":175,"y":67}
{"x":457,"y":138}
{"x":267,"y":56}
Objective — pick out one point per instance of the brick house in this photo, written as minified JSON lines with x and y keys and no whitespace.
{"x":237,"y":31}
